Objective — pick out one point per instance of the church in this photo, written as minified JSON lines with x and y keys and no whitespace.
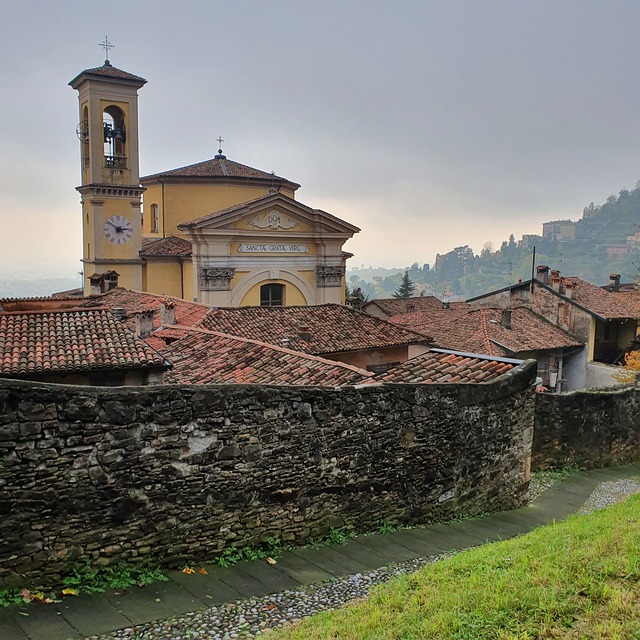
{"x":216,"y":232}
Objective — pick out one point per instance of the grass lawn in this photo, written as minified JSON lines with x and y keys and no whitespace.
{"x":575,"y":579}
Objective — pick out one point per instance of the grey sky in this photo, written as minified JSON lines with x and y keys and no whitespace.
{"x":428,"y":124}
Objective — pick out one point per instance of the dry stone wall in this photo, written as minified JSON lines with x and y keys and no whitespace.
{"x":180,"y":472}
{"x":589,"y":428}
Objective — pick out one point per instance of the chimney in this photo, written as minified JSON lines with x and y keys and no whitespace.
{"x":505,"y":320}
{"x":556,"y":281}
{"x":542,"y":273}
{"x":167,"y":312}
{"x":615,"y":281}
{"x":446,"y":305}
{"x":110,"y":279}
{"x":304,"y":333}
{"x":144,"y":323}
{"x":568,"y":290}
{"x":118,"y":313}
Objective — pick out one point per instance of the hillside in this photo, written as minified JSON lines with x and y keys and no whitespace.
{"x":605,"y":240}
{"x":575,"y":579}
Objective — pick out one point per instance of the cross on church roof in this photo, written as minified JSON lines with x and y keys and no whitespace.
{"x":219,"y":156}
{"x":106,"y":45}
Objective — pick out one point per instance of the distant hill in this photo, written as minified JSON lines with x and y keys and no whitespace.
{"x":17,"y":288}
{"x":607,"y":240}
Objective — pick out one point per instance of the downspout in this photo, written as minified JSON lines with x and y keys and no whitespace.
{"x":560,"y":368}
{"x":181,"y":261}
{"x":162,"y":191}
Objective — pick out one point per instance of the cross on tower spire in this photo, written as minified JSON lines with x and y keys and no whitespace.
{"x":106,"y":45}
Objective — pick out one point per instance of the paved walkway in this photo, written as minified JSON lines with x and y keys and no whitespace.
{"x":76,"y":618}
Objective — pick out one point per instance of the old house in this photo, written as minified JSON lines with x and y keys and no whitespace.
{"x":75,"y":346}
{"x":605,"y":320}
{"x":513,"y":332}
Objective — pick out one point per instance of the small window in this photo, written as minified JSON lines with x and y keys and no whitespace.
{"x":154,"y":218}
{"x":271,"y":295}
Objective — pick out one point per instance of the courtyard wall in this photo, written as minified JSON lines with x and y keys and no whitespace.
{"x":92,"y":474}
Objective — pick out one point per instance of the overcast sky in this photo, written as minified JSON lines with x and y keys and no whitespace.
{"x":427,"y":124}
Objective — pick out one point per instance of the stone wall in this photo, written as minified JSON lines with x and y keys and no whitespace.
{"x":590,"y":428}
{"x":103,"y":475}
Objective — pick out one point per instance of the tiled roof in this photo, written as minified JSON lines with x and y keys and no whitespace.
{"x":187,"y":313}
{"x":170,"y":246}
{"x":394,"y":306}
{"x":436,"y":367}
{"x":481,"y":331}
{"x":607,"y":305}
{"x":66,"y":341}
{"x":206,"y":357}
{"x":109,"y":71}
{"x":321,"y":329}
{"x":220,"y":167}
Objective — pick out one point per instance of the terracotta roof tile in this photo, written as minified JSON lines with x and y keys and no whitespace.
{"x":609,"y":305}
{"x":395,"y":306}
{"x":170,"y":246}
{"x":320,"y":329}
{"x":220,"y":167}
{"x":206,"y":357}
{"x":187,"y":313}
{"x":109,"y":71}
{"x":436,"y":367}
{"x":480,"y":330}
{"x":66,"y":341}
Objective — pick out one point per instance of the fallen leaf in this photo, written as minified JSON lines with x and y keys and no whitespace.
{"x":22,"y":613}
{"x":26,"y":594}
{"x":203,"y":571}
{"x":157,"y":600}
{"x":271,"y":561}
{"x":69,"y":592}
{"x":188,"y":570}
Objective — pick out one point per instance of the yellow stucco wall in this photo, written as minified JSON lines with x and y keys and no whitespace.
{"x":180,"y":203}
{"x":292,"y":295}
{"x":163,"y":277}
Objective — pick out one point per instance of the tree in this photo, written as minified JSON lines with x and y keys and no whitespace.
{"x":405,"y":288}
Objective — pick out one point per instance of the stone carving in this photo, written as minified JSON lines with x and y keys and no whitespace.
{"x":273,"y":220}
{"x":216,"y":278}
{"x":329,"y":276}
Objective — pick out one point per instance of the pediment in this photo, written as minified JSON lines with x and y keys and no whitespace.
{"x":273,"y":214}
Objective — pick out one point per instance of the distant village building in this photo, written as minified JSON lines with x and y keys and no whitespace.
{"x":218,"y":232}
{"x":559,"y":230}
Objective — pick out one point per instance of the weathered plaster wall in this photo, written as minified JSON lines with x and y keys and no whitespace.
{"x":591,"y":428}
{"x":97,"y":474}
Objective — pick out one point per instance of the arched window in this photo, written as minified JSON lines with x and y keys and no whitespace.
{"x":154,"y":218}
{"x":272,"y":295}
{"x":115,"y":135}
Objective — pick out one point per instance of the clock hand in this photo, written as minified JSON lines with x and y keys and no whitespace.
{"x":118,"y":229}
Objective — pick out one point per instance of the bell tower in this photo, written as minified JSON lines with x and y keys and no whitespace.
{"x":109,"y":159}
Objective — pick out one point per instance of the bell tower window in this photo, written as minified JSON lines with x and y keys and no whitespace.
{"x":114,"y":136}
{"x":272,"y":295}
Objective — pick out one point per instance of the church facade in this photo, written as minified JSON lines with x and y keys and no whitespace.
{"x":217,"y":232}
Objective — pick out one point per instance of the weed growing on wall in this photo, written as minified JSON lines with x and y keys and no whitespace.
{"x":270,"y":548}
{"x":88,"y":579}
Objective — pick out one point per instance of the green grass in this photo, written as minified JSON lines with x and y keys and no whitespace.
{"x":572,"y":580}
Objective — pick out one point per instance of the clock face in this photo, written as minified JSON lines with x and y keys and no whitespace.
{"x":118,"y":230}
